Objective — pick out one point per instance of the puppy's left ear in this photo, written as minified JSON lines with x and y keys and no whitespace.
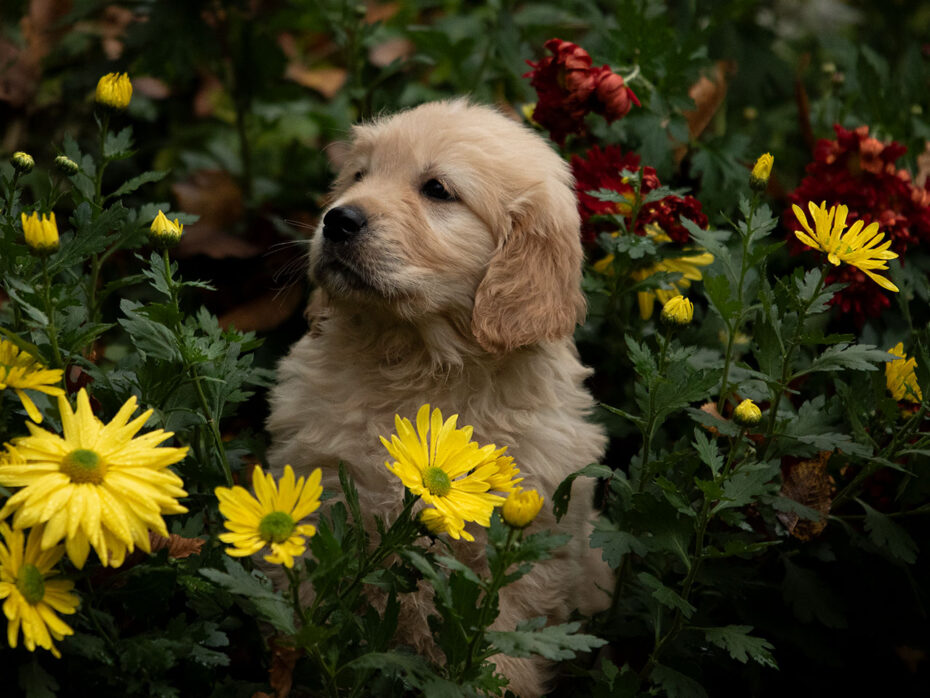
{"x":532,"y":289}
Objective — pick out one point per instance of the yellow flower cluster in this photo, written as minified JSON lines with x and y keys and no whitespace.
{"x":901,"y":377}
{"x":21,"y":371}
{"x":41,"y":233}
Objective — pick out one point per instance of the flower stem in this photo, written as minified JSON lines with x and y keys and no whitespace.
{"x":50,"y":311}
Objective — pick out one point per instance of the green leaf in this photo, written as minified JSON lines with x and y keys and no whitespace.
{"x":642,"y":358}
{"x":676,"y":684}
{"x":149,"y":338}
{"x":718,"y":292}
{"x":554,"y":642}
{"x":35,"y":681}
{"x":563,"y":493}
{"x":742,"y":646}
{"x":724,"y":426}
{"x":411,"y":668}
{"x":857,"y":357}
{"x":809,"y":597}
{"x":118,"y":145}
{"x":745,"y":485}
{"x":666,"y":596}
{"x":738,"y":547}
{"x":132,"y":184}
{"x":255,"y":587}
{"x":889,"y":536}
{"x":708,"y":452}
{"x":615,"y":543}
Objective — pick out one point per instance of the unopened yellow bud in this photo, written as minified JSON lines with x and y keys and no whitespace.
{"x":747,"y":414}
{"x":66,"y":165}
{"x":678,"y":310}
{"x":22,"y":162}
{"x":114,"y":90}
{"x":163,"y":233}
{"x":761,"y":171}
{"x":520,"y":508}
{"x":41,"y":233}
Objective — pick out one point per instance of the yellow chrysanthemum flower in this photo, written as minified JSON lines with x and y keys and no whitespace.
{"x":447,"y":470}
{"x":901,"y":378}
{"x":520,"y":508}
{"x":98,"y":485}
{"x":860,"y":246}
{"x":678,"y":311}
{"x":20,"y":371}
{"x":164,"y":233}
{"x":271,"y":518}
{"x":747,"y":413}
{"x":32,"y":593}
{"x":114,"y":90}
{"x":41,"y":233}
{"x":761,"y":171}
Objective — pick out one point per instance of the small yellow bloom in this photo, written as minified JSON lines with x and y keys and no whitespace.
{"x":20,"y":371}
{"x":32,"y":593}
{"x":97,"y":485}
{"x":747,"y":414}
{"x":163,"y":233}
{"x":901,"y":378}
{"x":860,"y":246}
{"x":272,"y":517}
{"x":442,"y":465}
{"x":41,"y":233}
{"x":521,"y":507}
{"x":761,"y":172}
{"x":114,"y":90}
{"x":22,"y":162}
{"x":677,"y":311}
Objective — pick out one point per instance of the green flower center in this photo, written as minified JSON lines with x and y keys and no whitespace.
{"x":437,"y":481}
{"x":276,"y":527}
{"x":83,"y":465}
{"x":31,"y":584}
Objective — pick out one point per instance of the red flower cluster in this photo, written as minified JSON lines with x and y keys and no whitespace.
{"x":859,"y":171}
{"x":569,"y":88}
{"x":600,"y":169}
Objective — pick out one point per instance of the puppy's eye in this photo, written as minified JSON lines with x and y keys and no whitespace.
{"x":359,"y":175}
{"x":435,"y":189}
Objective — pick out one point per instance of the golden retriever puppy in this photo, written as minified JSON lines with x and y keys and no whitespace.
{"x":448,"y":267}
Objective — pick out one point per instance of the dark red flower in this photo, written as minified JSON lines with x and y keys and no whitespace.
{"x":568,"y":88}
{"x":601,"y":168}
{"x":859,"y":171}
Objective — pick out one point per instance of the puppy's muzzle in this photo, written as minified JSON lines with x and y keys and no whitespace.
{"x":344,"y":224}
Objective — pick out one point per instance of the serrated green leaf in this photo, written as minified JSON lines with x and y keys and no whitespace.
{"x":563,"y":493}
{"x":708,"y":452}
{"x":742,"y":646}
{"x":258,"y":590}
{"x":615,"y":543}
{"x":888,"y":535}
{"x":131,"y":185}
{"x":810,"y":597}
{"x":36,"y":682}
{"x":554,"y":642}
{"x":718,"y":292}
{"x":676,"y":684}
{"x":856,"y":357}
{"x":745,"y":485}
{"x":666,"y":596}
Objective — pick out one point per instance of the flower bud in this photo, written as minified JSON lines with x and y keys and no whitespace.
{"x":22,"y":162}
{"x":520,"y":508}
{"x":114,"y":90}
{"x":41,"y":233}
{"x":67,"y":165}
{"x":761,"y":171}
{"x":163,"y":233}
{"x":678,"y":310}
{"x":747,"y":414}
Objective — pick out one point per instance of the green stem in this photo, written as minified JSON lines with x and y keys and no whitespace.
{"x":50,"y":311}
{"x":11,"y":193}
{"x":95,"y":261}
{"x":294,"y":581}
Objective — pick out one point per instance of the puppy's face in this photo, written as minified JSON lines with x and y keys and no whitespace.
{"x":449,"y":207}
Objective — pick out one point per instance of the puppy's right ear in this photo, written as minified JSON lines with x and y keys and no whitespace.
{"x":532,"y":288}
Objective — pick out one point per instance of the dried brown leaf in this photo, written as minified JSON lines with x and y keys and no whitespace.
{"x":216,"y":197}
{"x":283,"y":660}
{"x":265,"y":312}
{"x":178,"y":547}
{"x":807,"y":482}
{"x":326,"y":81}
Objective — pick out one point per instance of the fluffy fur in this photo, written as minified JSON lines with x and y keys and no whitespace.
{"x":468,"y":304}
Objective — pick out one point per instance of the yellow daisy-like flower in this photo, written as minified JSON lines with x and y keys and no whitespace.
{"x":860,"y":246}
{"x":272,"y":517}
{"x":901,"y":378}
{"x":761,"y":171}
{"x":21,"y":371}
{"x":521,"y":508}
{"x":678,"y":311}
{"x":32,"y":593}
{"x":41,"y":233}
{"x":98,"y":485}
{"x":114,"y":90}
{"x":442,"y":465}
{"x":164,"y":233}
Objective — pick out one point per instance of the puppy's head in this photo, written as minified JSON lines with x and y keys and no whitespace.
{"x":454,"y":210}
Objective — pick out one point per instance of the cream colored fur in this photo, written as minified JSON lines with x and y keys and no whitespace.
{"x":468,"y":305}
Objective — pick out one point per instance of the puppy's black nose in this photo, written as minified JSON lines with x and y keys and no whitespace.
{"x":343,"y":223}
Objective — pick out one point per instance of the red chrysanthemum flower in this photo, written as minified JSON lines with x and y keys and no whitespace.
{"x":569,"y":87}
{"x":601,"y":168}
{"x":859,"y":171}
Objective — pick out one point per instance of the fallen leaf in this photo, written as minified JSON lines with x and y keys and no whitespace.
{"x":178,"y":547}
{"x":807,"y":482}
{"x":215,"y":196}
{"x":708,"y":94}
{"x":265,"y":312}
{"x":283,"y":660}
{"x":22,"y":65}
{"x":389,"y":51}
{"x":326,"y":81}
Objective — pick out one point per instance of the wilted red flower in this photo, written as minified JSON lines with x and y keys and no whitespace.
{"x":568,"y":88}
{"x":601,"y":168}
{"x":859,"y":171}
